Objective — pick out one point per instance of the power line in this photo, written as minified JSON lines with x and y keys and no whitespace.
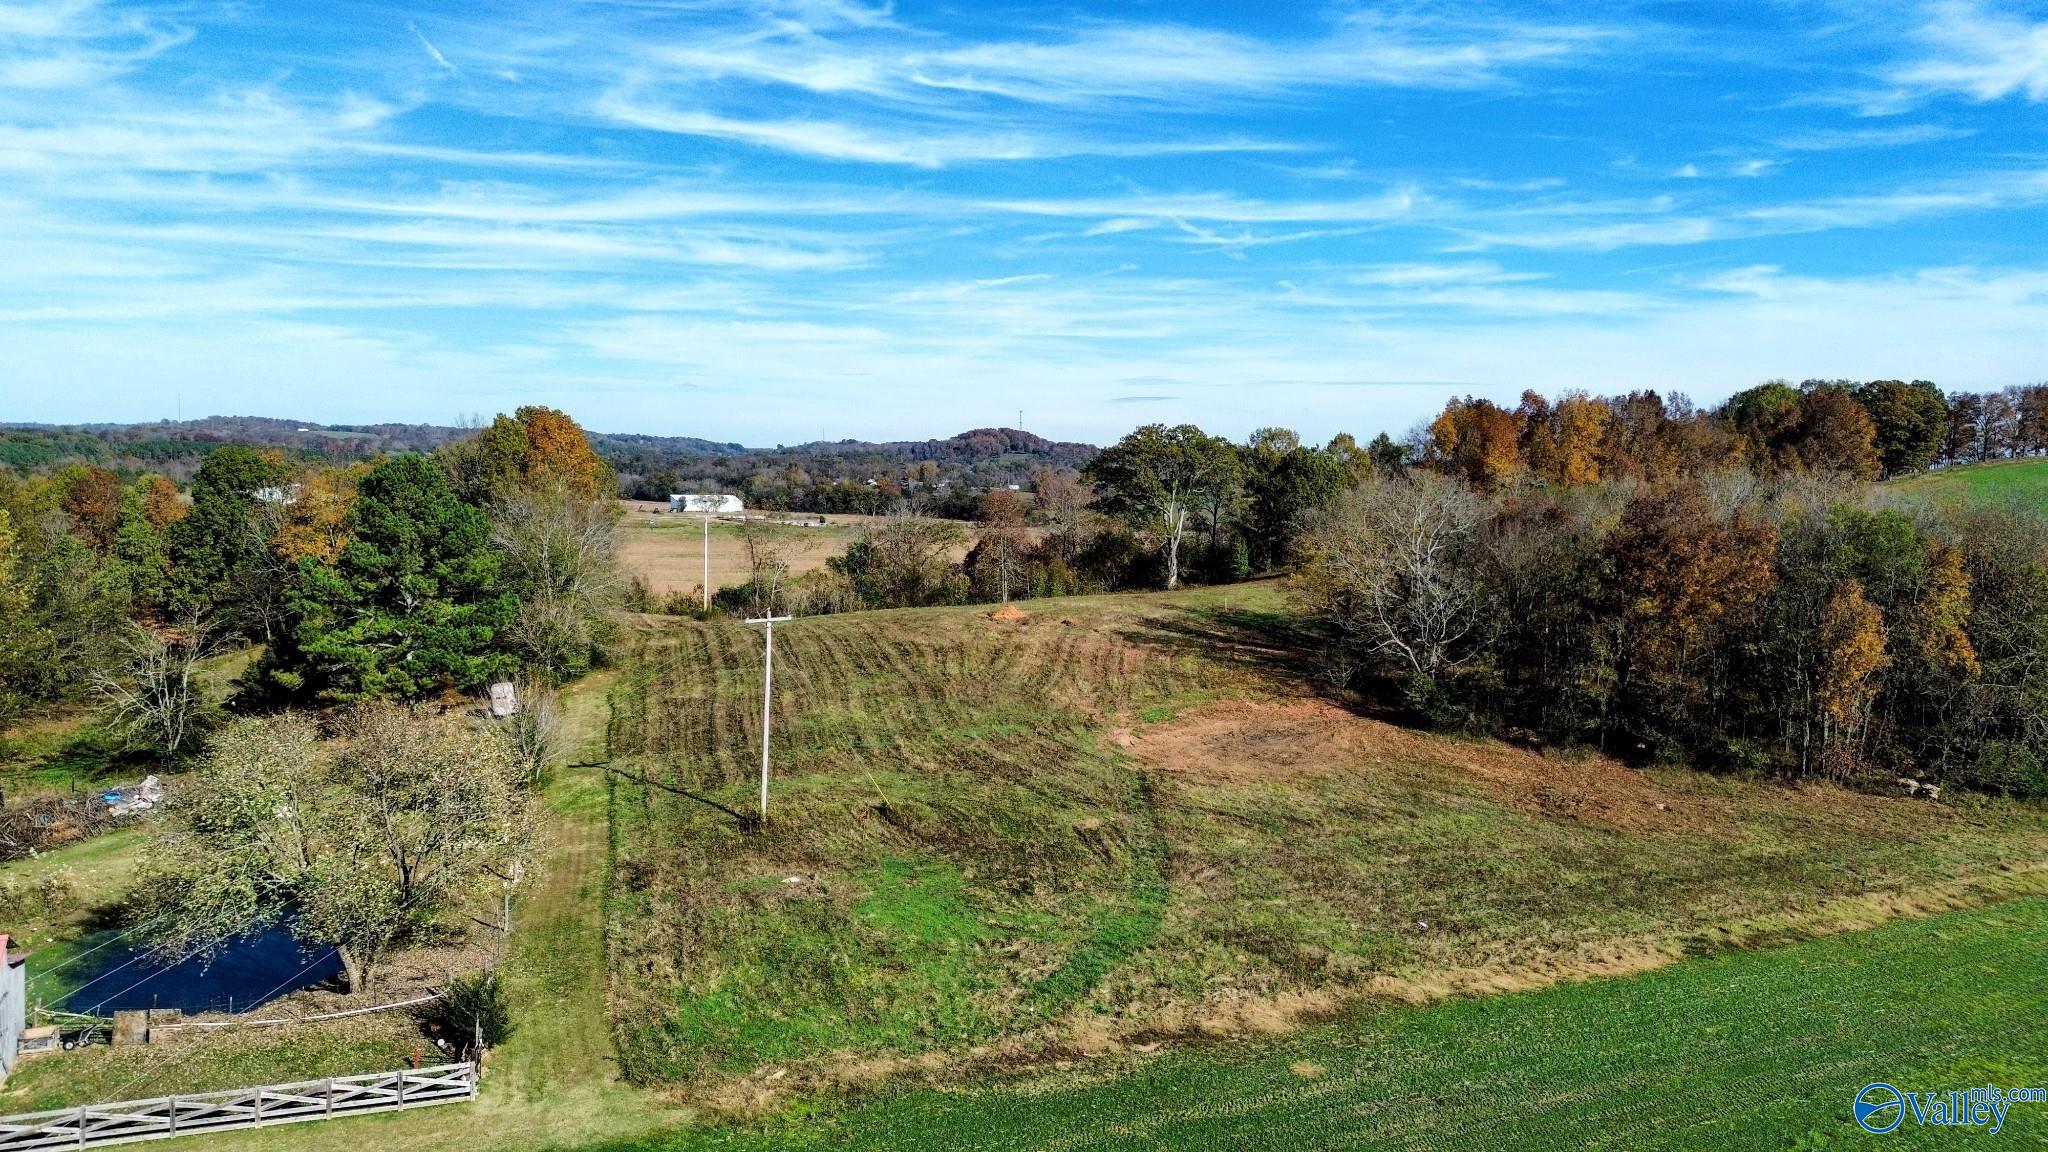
{"x":117,"y":938}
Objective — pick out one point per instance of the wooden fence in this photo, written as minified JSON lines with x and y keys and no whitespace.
{"x":99,"y":1125}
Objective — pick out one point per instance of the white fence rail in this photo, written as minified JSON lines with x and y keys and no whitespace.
{"x":98,"y":1125}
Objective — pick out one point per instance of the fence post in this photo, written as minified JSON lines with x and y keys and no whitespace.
{"x":259,"y":1109}
{"x":401,"y":1089}
{"x":173,"y":1104}
{"x":330,"y":1096}
{"x":81,"y":1126}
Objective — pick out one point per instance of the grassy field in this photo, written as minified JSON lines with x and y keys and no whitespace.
{"x":668,"y":551}
{"x":1022,"y":873}
{"x":1749,"y":1050}
{"x":1120,"y":821}
{"x":95,"y":876}
{"x":194,"y":1062}
{"x":65,"y":753}
{"x":1997,"y":481}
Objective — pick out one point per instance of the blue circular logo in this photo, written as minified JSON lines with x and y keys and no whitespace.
{"x":1880,"y":1108}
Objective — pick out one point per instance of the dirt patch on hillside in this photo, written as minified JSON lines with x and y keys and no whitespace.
{"x":1247,"y":741}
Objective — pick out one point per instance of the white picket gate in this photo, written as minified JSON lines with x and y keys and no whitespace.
{"x":98,"y":1125}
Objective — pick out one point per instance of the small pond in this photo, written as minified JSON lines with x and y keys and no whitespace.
{"x":247,"y":972}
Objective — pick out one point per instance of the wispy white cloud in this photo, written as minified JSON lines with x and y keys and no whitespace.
{"x":1976,"y":50}
{"x":1144,"y":61}
{"x":1432,"y":275}
{"x":433,"y":53}
{"x":235,"y":132}
{"x":1841,"y":139}
{"x":1395,"y":204}
{"x":63,"y":44}
{"x":916,"y":147}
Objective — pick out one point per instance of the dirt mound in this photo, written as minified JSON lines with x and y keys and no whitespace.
{"x":1009,"y":614}
{"x":1245,"y":741}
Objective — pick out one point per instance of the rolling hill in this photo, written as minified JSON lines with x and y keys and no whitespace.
{"x":1103,"y":824}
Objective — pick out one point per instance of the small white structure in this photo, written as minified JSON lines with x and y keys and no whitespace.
{"x":711,"y":505}
{"x":504,"y":700}
{"x":13,"y":1004}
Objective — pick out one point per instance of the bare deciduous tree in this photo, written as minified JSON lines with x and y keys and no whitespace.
{"x":535,"y":736}
{"x":1389,"y":565}
{"x":561,"y":553}
{"x":768,"y":547}
{"x":154,"y":697}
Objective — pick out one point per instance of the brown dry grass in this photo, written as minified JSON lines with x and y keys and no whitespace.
{"x":1243,"y":741}
{"x":668,"y":550}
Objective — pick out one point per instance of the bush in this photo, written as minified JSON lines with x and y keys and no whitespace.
{"x":47,"y":896}
{"x":2010,"y":768}
{"x":472,"y":1006}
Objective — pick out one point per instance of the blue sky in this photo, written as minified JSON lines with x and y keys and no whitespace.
{"x":773,"y":222}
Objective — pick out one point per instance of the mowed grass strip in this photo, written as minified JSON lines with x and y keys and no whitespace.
{"x":1995,"y":481}
{"x":1749,"y":1050}
{"x":952,"y":854}
{"x":1128,"y":819}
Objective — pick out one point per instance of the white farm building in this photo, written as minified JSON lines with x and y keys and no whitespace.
{"x":716,"y":505}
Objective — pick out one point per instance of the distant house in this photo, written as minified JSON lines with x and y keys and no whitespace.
{"x":715,"y":505}
{"x":288,"y":494}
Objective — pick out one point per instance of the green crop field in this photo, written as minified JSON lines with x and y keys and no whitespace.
{"x":1994,"y":482}
{"x":1758,"y":1050}
{"x":1125,"y":821}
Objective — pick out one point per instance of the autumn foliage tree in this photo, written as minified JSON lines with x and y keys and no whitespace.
{"x":534,"y":448}
{"x":1160,"y":479}
{"x":92,"y":499}
{"x":1478,"y":440}
{"x":1676,"y":575}
{"x":1851,"y":655}
{"x":1793,"y":624}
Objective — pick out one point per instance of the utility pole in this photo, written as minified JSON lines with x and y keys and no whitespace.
{"x":767,"y":698}
{"x":707,"y":561}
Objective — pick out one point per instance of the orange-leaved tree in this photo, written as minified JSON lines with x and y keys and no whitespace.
{"x":1852,"y":654}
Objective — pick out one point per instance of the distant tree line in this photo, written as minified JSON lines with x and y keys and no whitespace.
{"x":944,"y":479}
{"x":1880,"y":428}
{"x":1160,"y":508}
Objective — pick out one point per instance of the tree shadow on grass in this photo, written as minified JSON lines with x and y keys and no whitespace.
{"x":1271,"y":644}
{"x":1290,"y":652}
{"x":746,"y":821}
